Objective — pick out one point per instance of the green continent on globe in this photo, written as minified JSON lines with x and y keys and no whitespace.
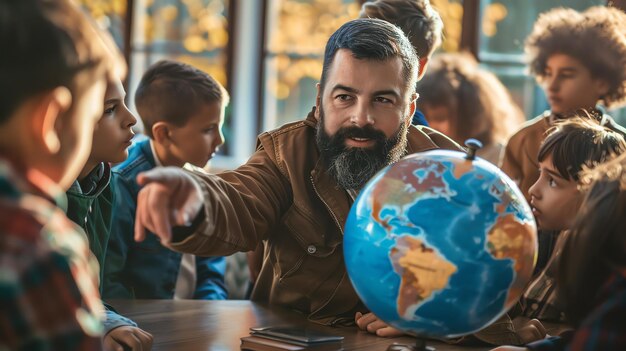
{"x":508,"y":238}
{"x":422,"y":271}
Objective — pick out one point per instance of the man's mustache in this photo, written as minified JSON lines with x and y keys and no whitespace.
{"x":355,"y":132}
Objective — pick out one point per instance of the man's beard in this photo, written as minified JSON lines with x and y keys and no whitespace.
{"x":352,"y":167}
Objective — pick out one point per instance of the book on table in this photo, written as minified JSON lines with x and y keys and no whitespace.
{"x":291,"y":339}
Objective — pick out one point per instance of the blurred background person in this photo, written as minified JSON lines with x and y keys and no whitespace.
{"x":463,"y":101}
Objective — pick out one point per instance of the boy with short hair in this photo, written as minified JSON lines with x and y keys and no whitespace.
{"x":53,"y":74}
{"x":579,"y":60}
{"x":183,"y":111}
{"x":90,"y":204}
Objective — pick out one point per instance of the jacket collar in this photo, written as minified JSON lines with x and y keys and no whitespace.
{"x":146,"y":150}
{"x":94,"y":183}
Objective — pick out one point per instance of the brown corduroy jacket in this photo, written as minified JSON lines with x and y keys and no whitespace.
{"x":284,"y":195}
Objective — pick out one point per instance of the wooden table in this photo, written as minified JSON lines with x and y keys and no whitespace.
{"x":217,"y":325}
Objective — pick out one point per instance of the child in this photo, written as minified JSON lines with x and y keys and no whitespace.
{"x":591,"y":277}
{"x":183,"y":111}
{"x":463,"y":101}
{"x":53,"y":71}
{"x":555,"y":200}
{"x":90,"y":201}
{"x":579,"y":59}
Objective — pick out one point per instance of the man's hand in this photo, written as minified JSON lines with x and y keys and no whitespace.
{"x":372,"y":324}
{"x":510,"y":348}
{"x":127,"y":337}
{"x":169,"y":197}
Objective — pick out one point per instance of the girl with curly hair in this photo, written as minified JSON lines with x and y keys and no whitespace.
{"x":463,"y":101}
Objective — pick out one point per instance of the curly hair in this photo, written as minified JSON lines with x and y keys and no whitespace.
{"x":595,"y":37}
{"x":481,"y":107}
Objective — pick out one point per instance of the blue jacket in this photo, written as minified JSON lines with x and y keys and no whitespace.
{"x":419,"y":119}
{"x":147,"y":270}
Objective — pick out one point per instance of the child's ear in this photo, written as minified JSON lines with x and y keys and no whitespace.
{"x":423,"y":62}
{"x":48,"y":120}
{"x":318,"y":100}
{"x":412,"y":108}
{"x":161,"y":133}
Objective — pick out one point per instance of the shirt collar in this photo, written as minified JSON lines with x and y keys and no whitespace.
{"x":157,"y":162}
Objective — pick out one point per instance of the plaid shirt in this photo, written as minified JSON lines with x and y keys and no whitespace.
{"x":48,"y":279}
{"x":605,"y":326}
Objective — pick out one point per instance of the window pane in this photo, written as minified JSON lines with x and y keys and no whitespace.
{"x":297,"y":31}
{"x":110,"y":15}
{"x":505,"y":24}
{"x":190,"y":31}
{"x":451,"y":12}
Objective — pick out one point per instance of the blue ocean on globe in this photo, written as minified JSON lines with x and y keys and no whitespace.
{"x":438,"y":245}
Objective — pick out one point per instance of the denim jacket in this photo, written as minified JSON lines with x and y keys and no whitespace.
{"x":147,"y":270}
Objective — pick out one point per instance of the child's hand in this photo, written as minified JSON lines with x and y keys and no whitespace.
{"x":170,"y":197}
{"x":127,"y":338}
{"x":372,"y":324}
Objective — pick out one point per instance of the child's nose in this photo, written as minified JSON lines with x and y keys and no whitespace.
{"x":533,"y":191}
{"x":130,"y":120}
{"x":553,"y":84}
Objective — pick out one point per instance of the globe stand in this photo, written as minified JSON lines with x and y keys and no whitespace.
{"x":420,"y":345}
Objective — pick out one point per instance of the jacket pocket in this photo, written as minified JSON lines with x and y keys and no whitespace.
{"x":316,"y":238}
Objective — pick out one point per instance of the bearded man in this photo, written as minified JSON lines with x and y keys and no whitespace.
{"x":296,"y":190}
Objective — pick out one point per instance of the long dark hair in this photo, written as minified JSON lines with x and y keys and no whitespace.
{"x":596,"y":245}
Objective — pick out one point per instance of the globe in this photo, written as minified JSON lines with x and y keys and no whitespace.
{"x":439,"y":244}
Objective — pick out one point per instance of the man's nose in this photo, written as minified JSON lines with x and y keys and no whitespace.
{"x":362,"y":114}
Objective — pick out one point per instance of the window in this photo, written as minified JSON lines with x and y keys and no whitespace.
{"x":296,"y":35}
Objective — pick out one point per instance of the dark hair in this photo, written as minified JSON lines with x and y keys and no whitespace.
{"x":172,"y":91}
{"x":417,"y":19}
{"x":580,"y":142}
{"x":481,"y":107}
{"x":596,"y":38}
{"x":46,"y":44}
{"x":596,"y":243}
{"x":372,"y":39}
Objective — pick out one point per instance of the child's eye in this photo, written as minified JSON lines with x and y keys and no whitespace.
{"x":552,"y":182}
{"x":110,"y":110}
{"x":208,"y":130}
